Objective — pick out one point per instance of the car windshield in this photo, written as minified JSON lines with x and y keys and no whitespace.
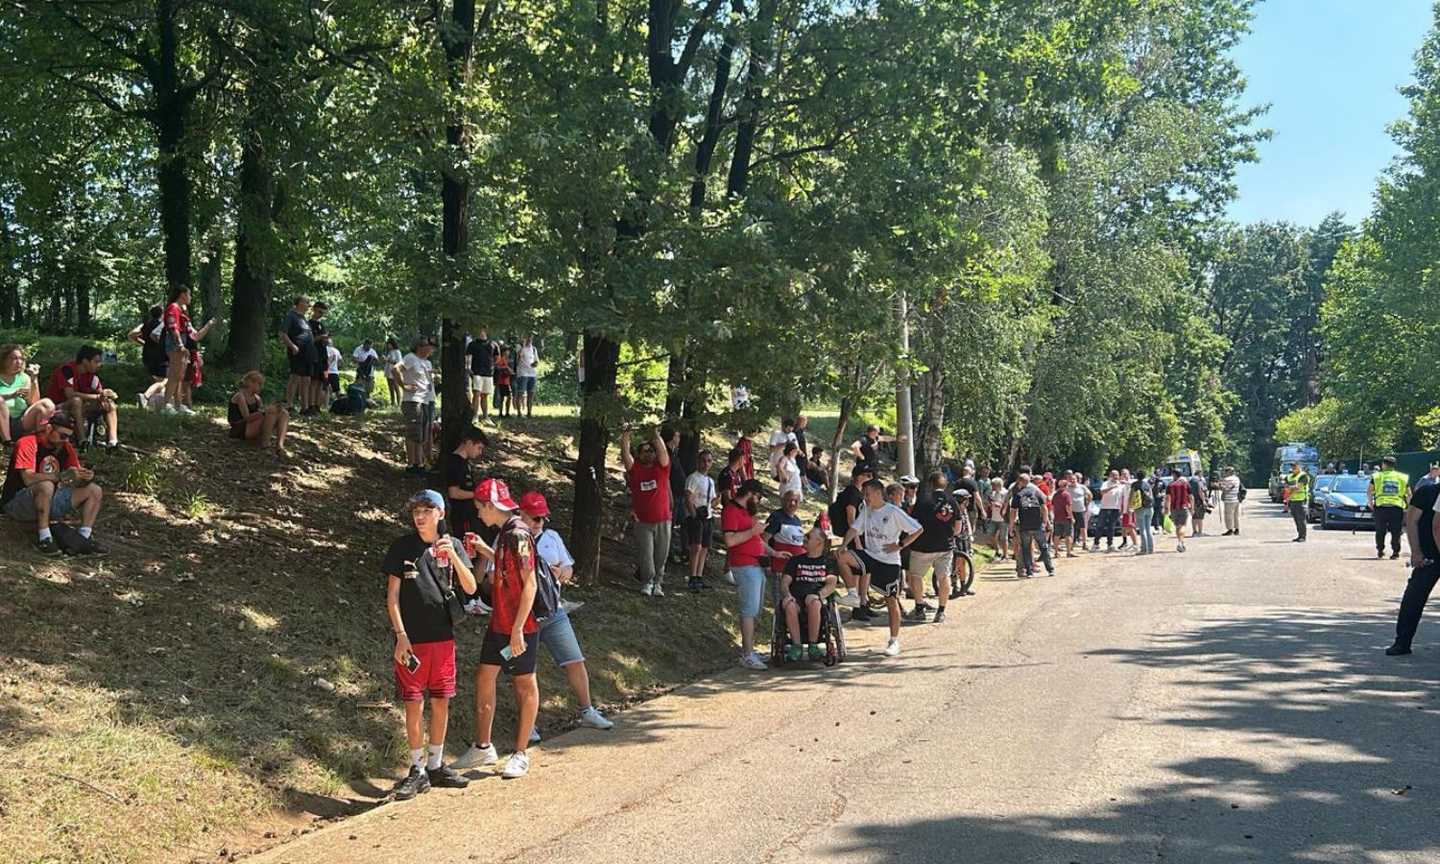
{"x":1350,"y":483}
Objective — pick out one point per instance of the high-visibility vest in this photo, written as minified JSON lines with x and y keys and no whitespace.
{"x":1301,"y":491}
{"x":1390,"y":488}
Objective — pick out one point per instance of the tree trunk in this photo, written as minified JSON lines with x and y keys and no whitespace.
{"x":602,"y":356}
{"x":761,"y":45}
{"x":931,"y":431}
{"x":172,"y":107}
{"x":254,"y":281}
{"x":9,"y":286}
{"x":832,"y":482}
{"x":211,"y":299}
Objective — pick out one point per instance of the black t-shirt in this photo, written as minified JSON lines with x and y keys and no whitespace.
{"x":867,"y":450}
{"x":1424,"y":498}
{"x":460,"y":512}
{"x":936,"y":514}
{"x":423,"y":608}
{"x":969,"y":485}
{"x":727,"y":484}
{"x":234,"y":412}
{"x":298,"y":329}
{"x":482,"y":357}
{"x":1031,"y":504}
{"x":808,"y":575}
{"x":151,"y":353}
{"x":322,"y":336}
{"x":849,"y":496}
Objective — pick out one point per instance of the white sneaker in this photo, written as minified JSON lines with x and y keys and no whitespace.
{"x":1180,"y":547}
{"x":592,"y":718}
{"x":518,"y":765}
{"x":169,"y":408}
{"x":892,"y":648}
{"x":187,"y":410}
{"x":657,"y":591}
{"x":849,"y":599}
{"x":476,"y":757}
{"x":647,"y":589}
{"x":534,"y":734}
{"x":753,"y":661}
{"x":571,"y":606}
{"x":730,"y":576}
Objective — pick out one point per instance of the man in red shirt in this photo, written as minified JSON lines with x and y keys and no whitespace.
{"x":647,"y":473}
{"x":45,"y":482}
{"x":513,"y":636}
{"x":76,"y":388}
{"x":1177,"y":504}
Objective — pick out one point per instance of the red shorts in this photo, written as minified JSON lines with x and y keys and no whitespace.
{"x":436,"y":676}
{"x":1127,"y":520}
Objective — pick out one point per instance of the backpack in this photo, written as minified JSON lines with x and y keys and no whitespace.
{"x":547,"y":588}
{"x":1242,"y":491}
{"x":353,"y":402}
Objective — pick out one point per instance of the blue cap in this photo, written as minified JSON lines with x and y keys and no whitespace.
{"x":430,"y":498}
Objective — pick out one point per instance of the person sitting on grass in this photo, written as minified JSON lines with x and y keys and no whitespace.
{"x":251,"y":420}
{"x":511,"y":640}
{"x":76,"y":387}
{"x":421,"y":570}
{"x":808,"y":579}
{"x":45,"y":482}
{"x":18,"y":394}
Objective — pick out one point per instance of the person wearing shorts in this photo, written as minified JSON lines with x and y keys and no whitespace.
{"x":887,"y":530}
{"x":527,"y":362}
{"x":299,"y":345}
{"x":700,"y":498}
{"x":481,"y":352}
{"x":513,"y":636}
{"x":746,"y":547}
{"x":1177,"y":505}
{"x":418,"y":383}
{"x":422,"y":569}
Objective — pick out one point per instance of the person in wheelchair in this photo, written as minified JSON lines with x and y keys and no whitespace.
{"x":805,"y":583}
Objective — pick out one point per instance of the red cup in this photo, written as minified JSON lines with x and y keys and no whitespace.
{"x":472,"y":543}
{"x":441,"y":551}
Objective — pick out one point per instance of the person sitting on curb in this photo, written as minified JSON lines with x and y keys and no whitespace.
{"x":45,"y":482}
{"x":251,"y":420}
{"x":513,"y":634}
{"x":419,"y":592}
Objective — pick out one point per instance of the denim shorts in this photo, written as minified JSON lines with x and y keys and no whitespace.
{"x":558,"y":637}
{"x":524,"y":383}
{"x":22,"y":507}
{"x":750,"y":582}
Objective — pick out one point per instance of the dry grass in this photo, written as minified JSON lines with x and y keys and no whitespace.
{"x":160,"y":704}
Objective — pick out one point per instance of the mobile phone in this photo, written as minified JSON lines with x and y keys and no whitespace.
{"x":507,"y":654}
{"x":412,"y":663}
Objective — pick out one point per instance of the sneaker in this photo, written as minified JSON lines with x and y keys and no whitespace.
{"x":917,"y":614}
{"x":817,"y":652}
{"x":593,"y":719}
{"x":445,"y":777}
{"x":1397,"y":650}
{"x":697,"y":585}
{"x":1379,"y":554}
{"x":415,"y":783}
{"x":848,"y":600}
{"x":940,"y":615}
{"x":892,"y":648}
{"x":730,"y":576}
{"x":1394,"y":555}
{"x":753,"y":661}
{"x":48,"y":546}
{"x":517,"y":766}
{"x":186,"y":410}
{"x":534,"y":734}
{"x":657,"y":591}
{"x":1022,"y":575}
{"x":793,"y":652}
{"x":476,"y":757}
{"x":169,"y":408}
{"x":88,"y":546}
{"x":861,"y":613}
{"x":648,"y":589}
{"x":1180,"y":547}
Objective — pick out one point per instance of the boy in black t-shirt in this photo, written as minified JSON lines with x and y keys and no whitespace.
{"x":422,"y":570}
{"x":808,"y":579}
{"x":459,"y":471}
{"x":843,"y":511}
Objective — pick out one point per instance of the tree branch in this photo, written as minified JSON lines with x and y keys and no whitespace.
{"x":697,"y":35}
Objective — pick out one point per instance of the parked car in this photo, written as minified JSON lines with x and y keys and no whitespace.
{"x":1345,"y":503}
{"x":1317,"y":495}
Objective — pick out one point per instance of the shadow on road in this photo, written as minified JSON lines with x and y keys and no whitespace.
{"x":1349,"y":772}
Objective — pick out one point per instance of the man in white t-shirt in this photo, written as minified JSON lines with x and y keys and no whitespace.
{"x":366,"y":359}
{"x":778,"y":439}
{"x":1113,"y":494}
{"x":887,"y":531}
{"x":527,"y":368}
{"x":700,"y":498}
{"x":417,"y":381}
{"x":332,"y":368}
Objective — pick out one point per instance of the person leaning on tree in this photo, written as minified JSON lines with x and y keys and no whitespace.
{"x":1388,"y":492}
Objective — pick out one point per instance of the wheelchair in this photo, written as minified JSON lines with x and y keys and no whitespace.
{"x":832,"y":631}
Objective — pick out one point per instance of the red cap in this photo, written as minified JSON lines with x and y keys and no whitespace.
{"x":533,"y":504}
{"x":492,"y":491}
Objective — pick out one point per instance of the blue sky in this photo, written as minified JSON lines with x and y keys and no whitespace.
{"x":1330,"y":70}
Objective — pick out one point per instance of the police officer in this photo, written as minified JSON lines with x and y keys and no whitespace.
{"x":1423,"y":528}
{"x":1389,"y":491}
{"x":1298,"y":484}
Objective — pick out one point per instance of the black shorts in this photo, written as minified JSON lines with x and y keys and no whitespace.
{"x":698,"y":531}
{"x":522,"y":665}
{"x":803,"y":591}
{"x":302,"y":362}
{"x":884,"y":577}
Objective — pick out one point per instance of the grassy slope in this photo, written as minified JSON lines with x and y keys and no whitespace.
{"x":160,"y":704}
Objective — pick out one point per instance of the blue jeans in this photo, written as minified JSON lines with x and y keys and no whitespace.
{"x":22,"y":507}
{"x":1025,"y":561}
{"x":1147,"y":535}
{"x":558,"y":637}
{"x":1108,"y":525}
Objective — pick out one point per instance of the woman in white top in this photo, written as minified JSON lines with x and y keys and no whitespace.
{"x":392,"y":374}
{"x":788,"y":470}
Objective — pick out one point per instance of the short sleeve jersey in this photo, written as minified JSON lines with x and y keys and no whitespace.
{"x":700,"y":491}
{"x":423,"y":608}
{"x":882,"y":528}
{"x":1063,"y":506}
{"x":482,"y":357}
{"x":515,"y":552}
{"x":1427,"y":500}
{"x":936,"y":514}
{"x":30,"y":453}
{"x":649,"y":492}
{"x":808,"y":575}
{"x":66,"y":375}
{"x":1029,"y":503}
{"x":737,"y":519}
{"x":298,"y":329}
{"x":850,"y":496}
{"x":1178,"y":495}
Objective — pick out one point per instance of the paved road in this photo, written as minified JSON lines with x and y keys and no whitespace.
{"x":1228,"y":704}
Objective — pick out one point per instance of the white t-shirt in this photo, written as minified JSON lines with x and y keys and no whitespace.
{"x":1112,"y":495}
{"x":361,"y":353}
{"x":791,"y":480}
{"x":393,"y":357}
{"x":778,"y":439}
{"x":525,"y":361}
{"x":882,"y":527}
{"x":417,"y":371}
{"x":552,"y":549}
{"x":332,"y":360}
{"x":701,"y":490}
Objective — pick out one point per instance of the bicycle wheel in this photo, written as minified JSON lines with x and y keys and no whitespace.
{"x":958,"y":587}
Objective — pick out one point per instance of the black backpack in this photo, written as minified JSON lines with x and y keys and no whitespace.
{"x":547,"y":588}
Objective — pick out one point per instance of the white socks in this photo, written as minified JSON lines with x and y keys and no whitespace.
{"x":86,"y":531}
{"x":44,"y":533}
{"x":437,"y":753}
{"x":417,"y":757}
